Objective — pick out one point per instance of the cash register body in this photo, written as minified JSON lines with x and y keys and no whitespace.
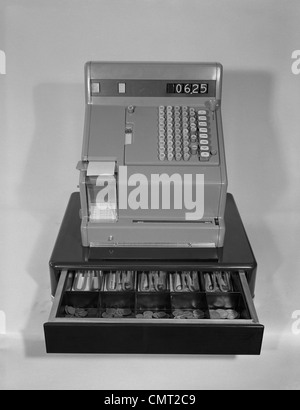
{"x":125,"y":103}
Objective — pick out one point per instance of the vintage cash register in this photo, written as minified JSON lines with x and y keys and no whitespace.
{"x":152,"y":255}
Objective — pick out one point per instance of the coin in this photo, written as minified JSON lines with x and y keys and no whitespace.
{"x":148,"y":314}
{"x":232,"y":314}
{"x":126,"y":312}
{"x":198,"y":314}
{"x":80,"y":313}
{"x":70,"y":310}
{"x":214,"y":314}
{"x":183,"y":314}
{"x":223,"y":313}
{"x":160,"y":315}
{"x":178,"y":312}
{"x":118,"y":314}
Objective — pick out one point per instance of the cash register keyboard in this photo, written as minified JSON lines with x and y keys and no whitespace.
{"x":184,"y":133}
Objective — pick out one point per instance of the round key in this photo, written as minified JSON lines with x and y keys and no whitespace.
{"x":186,"y":143}
{"x":192,"y":120}
{"x":186,"y":150}
{"x":162,"y":156}
{"x":185,"y":131}
{"x":162,"y":144}
{"x":186,"y":156}
{"x":170,"y":149}
{"x":170,"y":143}
{"x":194,"y":149}
{"x":177,"y":143}
{"x":194,"y":138}
{"x":170,"y":157}
{"x":193,"y":128}
{"x":178,"y":150}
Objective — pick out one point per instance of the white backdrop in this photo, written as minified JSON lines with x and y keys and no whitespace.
{"x":41,"y":122}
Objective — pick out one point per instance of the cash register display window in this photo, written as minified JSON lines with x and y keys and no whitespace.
{"x":102,"y":204}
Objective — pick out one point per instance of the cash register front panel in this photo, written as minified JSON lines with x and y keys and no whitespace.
{"x":160,"y":119}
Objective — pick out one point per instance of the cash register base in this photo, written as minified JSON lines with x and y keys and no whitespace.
{"x":97,"y":334}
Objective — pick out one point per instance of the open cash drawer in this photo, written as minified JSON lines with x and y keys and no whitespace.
{"x":156,"y":312}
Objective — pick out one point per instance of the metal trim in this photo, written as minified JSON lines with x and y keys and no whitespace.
{"x":248,"y":296}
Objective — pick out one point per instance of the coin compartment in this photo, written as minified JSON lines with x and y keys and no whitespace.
{"x":154,"y":302}
{"x":117,"y":300}
{"x":232,"y":301}
{"x":189,"y":302}
{"x":88,"y":301}
{"x":113,"y":281}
